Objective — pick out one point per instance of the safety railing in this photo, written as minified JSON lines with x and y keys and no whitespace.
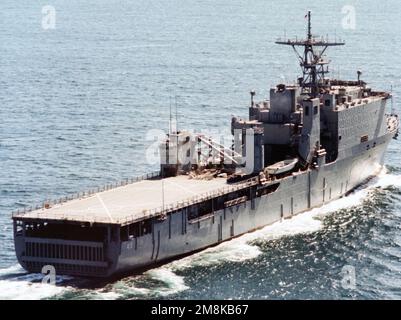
{"x":84,"y":194}
{"x":160,"y":211}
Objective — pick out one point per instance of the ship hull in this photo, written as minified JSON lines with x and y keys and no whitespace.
{"x":179,"y":234}
{"x":296,"y":194}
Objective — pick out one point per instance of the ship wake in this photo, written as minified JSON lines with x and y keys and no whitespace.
{"x":169,"y":279}
{"x":16,"y":284}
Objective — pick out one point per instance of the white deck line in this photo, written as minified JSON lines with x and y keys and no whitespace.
{"x":129,"y":202}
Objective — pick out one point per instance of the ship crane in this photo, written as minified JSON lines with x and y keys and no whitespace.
{"x":221,"y":150}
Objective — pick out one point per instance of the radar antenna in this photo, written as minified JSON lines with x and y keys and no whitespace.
{"x":313,"y":65}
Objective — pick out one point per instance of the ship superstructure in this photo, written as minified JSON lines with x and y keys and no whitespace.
{"x":308,"y":144}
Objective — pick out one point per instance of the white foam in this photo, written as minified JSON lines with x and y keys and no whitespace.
{"x":173,"y":282}
{"x":104,"y":295}
{"x":27,"y":286}
{"x":26,"y":290}
{"x":170,"y":283}
{"x":124,"y":288}
{"x":16,"y":269}
{"x":241,"y":248}
{"x":18,"y":289}
{"x":385,"y":179}
{"x":236,"y":250}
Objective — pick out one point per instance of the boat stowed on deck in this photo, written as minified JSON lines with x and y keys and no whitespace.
{"x":281,"y":166}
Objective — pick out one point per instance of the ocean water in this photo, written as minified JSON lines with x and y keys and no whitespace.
{"x":78,"y":101}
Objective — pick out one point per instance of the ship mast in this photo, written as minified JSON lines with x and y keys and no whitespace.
{"x":313,"y":65}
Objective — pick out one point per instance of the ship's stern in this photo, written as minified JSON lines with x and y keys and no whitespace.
{"x":71,"y":248}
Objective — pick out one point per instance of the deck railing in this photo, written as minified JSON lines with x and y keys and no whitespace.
{"x":87,"y":193}
{"x":160,"y":211}
{"x":163,"y":210}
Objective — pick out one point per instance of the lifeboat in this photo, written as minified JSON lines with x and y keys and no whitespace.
{"x":281,"y":167}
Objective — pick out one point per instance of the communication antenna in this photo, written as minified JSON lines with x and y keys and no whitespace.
{"x":162,"y":194}
{"x":252,"y":93}
{"x":168,"y":143}
{"x":176,"y":114}
{"x":391,"y":95}
{"x":310,"y":52}
{"x":176,"y":127}
{"x":170,"y":117}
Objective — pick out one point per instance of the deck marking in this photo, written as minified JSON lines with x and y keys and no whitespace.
{"x":183,"y":188}
{"x":104,"y":207}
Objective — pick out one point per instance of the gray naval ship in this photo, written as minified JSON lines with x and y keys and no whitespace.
{"x":310,"y":143}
